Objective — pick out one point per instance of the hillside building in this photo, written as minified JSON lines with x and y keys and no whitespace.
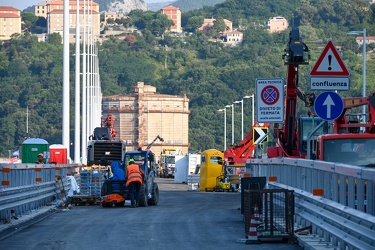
{"x":143,"y":114}
{"x":210,"y":22}
{"x":369,"y":39}
{"x":53,"y":11}
{"x":174,"y":14}
{"x":232,"y":38}
{"x":10,"y":22}
{"x":277,"y":24}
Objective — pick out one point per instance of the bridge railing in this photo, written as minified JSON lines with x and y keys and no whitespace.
{"x":26,"y":187}
{"x":341,"y":215}
{"x":350,"y":186}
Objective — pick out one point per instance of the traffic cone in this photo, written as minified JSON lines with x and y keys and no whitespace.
{"x":256,"y":214}
{"x":252,"y":236}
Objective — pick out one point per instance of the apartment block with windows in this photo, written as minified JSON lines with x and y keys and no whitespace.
{"x":10,"y":22}
{"x":174,"y":14}
{"x":53,"y":11}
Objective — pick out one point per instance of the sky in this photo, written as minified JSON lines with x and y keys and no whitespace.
{"x":23,"y":4}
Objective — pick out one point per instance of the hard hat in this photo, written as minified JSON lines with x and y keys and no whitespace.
{"x":40,"y":154}
{"x":131,"y":161}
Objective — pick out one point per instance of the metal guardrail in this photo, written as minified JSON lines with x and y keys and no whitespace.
{"x":350,"y":186}
{"x":336,"y":225}
{"x":344,"y":217}
{"x":27,"y":187}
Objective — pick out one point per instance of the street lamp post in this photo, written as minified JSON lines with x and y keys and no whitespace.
{"x":228,"y":106}
{"x":225,"y":127}
{"x":252,"y":110}
{"x":241,"y":116}
{"x":364,"y":69}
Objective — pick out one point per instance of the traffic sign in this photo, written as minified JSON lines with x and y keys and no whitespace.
{"x":270,"y":100}
{"x":330,"y":63}
{"x":328,"y":105}
{"x":329,"y":72}
{"x":258,"y":134}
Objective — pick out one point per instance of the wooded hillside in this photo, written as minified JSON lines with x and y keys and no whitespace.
{"x":210,"y":74}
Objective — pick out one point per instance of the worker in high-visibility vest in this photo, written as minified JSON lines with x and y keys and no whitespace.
{"x":134,"y":176}
{"x":40,"y":159}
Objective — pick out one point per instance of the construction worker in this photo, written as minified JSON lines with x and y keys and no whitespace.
{"x":134,"y":176}
{"x":40,"y":159}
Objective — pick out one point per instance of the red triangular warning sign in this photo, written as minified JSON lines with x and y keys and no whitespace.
{"x":330,"y":63}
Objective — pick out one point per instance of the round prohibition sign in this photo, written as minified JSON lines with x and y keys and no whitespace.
{"x":270,"y":95}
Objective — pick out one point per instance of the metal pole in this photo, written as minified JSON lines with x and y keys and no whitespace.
{"x":225,"y":126}
{"x":242,"y":119}
{"x":225,"y":129}
{"x":84,"y":89}
{"x":232,"y":124}
{"x":77,"y":130}
{"x":252,"y":112}
{"x":241,"y":115}
{"x":364,"y":76}
{"x":66,"y":109}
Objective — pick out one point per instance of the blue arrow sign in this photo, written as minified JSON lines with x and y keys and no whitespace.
{"x":328,"y":105}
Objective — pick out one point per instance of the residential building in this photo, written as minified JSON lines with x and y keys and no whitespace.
{"x":114,"y":16}
{"x":10,"y":22}
{"x":277,"y":24}
{"x":232,"y":38}
{"x":173,"y":13}
{"x":53,"y":11}
{"x":369,"y":39}
{"x":210,"y":22}
{"x":41,"y":8}
{"x":143,"y":114}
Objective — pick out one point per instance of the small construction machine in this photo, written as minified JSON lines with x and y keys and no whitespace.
{"x":114,"y":190}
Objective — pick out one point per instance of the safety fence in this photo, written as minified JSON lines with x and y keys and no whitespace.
{"x":269,"y":214}
{"x":27,"y":187}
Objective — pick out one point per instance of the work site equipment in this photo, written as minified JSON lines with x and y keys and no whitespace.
{"x":214,"y":173}
{"x":115,"y":186}
{"x":269,"y":215}
{"x":168,"y":162}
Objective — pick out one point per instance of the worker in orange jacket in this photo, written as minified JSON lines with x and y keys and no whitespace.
{"x":134,"y":176}
{"x":40,"y":159}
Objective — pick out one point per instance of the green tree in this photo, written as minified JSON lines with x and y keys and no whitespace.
{"x":194,"y":23}
{"x":28,"y":20}
{"x":55,"y":38}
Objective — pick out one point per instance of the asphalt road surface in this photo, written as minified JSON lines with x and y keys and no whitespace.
{"x":182,"y":220}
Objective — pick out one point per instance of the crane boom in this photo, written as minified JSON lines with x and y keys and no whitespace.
{"x":296,"y":54}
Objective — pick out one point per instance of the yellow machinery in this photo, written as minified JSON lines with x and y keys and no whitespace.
{"x":212,"y":174}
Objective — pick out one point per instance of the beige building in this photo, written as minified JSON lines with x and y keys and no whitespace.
{"x":143,"y":114}
{"x":277,"y":24}
{"x":41,"y":8}
{"x":232,"y":38}
{"x":210,"y":22}
{"x":174,"y":14}
{"x":53,"y":11}
{"x":10,"y":22}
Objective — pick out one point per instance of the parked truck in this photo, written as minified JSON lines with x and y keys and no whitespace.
{"x":168,"y":162}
